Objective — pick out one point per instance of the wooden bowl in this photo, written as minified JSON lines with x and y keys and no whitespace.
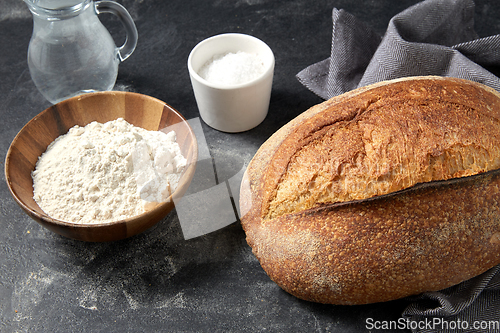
{"x":139,"y":110}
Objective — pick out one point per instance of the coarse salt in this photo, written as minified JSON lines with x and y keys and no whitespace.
{"x":233,"y":68}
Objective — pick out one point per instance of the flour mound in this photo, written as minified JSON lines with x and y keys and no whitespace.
{"x":106,"y":172}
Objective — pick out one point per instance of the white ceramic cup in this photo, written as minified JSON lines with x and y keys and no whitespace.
{"x":235,"y":108}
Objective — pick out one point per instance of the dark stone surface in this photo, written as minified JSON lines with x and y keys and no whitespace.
{"x":157,"y":281}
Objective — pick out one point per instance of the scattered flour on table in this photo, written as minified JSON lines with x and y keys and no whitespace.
{"x":106,"y":172}
{"x":232,"y":68}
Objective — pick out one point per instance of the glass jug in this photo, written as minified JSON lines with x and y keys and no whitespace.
{"x":70,"y":51}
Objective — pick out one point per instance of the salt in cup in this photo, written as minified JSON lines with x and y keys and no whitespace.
{"x":233,"y":107}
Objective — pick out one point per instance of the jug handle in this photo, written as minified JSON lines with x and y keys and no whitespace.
{"x":115,"y":8}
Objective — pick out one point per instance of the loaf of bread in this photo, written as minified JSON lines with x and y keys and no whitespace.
{"x":386,"y":191}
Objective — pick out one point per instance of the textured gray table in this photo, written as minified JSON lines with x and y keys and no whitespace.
{"x":157,"y":281}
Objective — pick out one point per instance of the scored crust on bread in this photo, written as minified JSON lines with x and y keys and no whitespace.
{"x":370,"y":150}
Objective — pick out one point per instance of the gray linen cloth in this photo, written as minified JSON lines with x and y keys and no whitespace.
{"x":433,"y":37}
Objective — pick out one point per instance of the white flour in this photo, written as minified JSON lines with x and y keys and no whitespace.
{"x":106,"y":172}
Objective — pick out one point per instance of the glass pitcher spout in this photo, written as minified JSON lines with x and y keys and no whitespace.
{"x":70,"y":51}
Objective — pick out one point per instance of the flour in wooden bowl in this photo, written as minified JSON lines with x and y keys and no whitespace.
{"x":106,"y":172}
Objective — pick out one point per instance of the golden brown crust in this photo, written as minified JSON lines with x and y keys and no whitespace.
{"x":377,"y":250}
{"x":386,"y":139}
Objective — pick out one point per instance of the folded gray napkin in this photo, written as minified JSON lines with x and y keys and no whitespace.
{"x":433,"y":37}
{"x":471,"y":306}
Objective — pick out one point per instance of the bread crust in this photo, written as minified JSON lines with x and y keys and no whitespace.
{"x":382,"y":246}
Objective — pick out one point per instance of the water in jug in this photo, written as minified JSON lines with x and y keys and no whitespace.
{"x":71,"y":52}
